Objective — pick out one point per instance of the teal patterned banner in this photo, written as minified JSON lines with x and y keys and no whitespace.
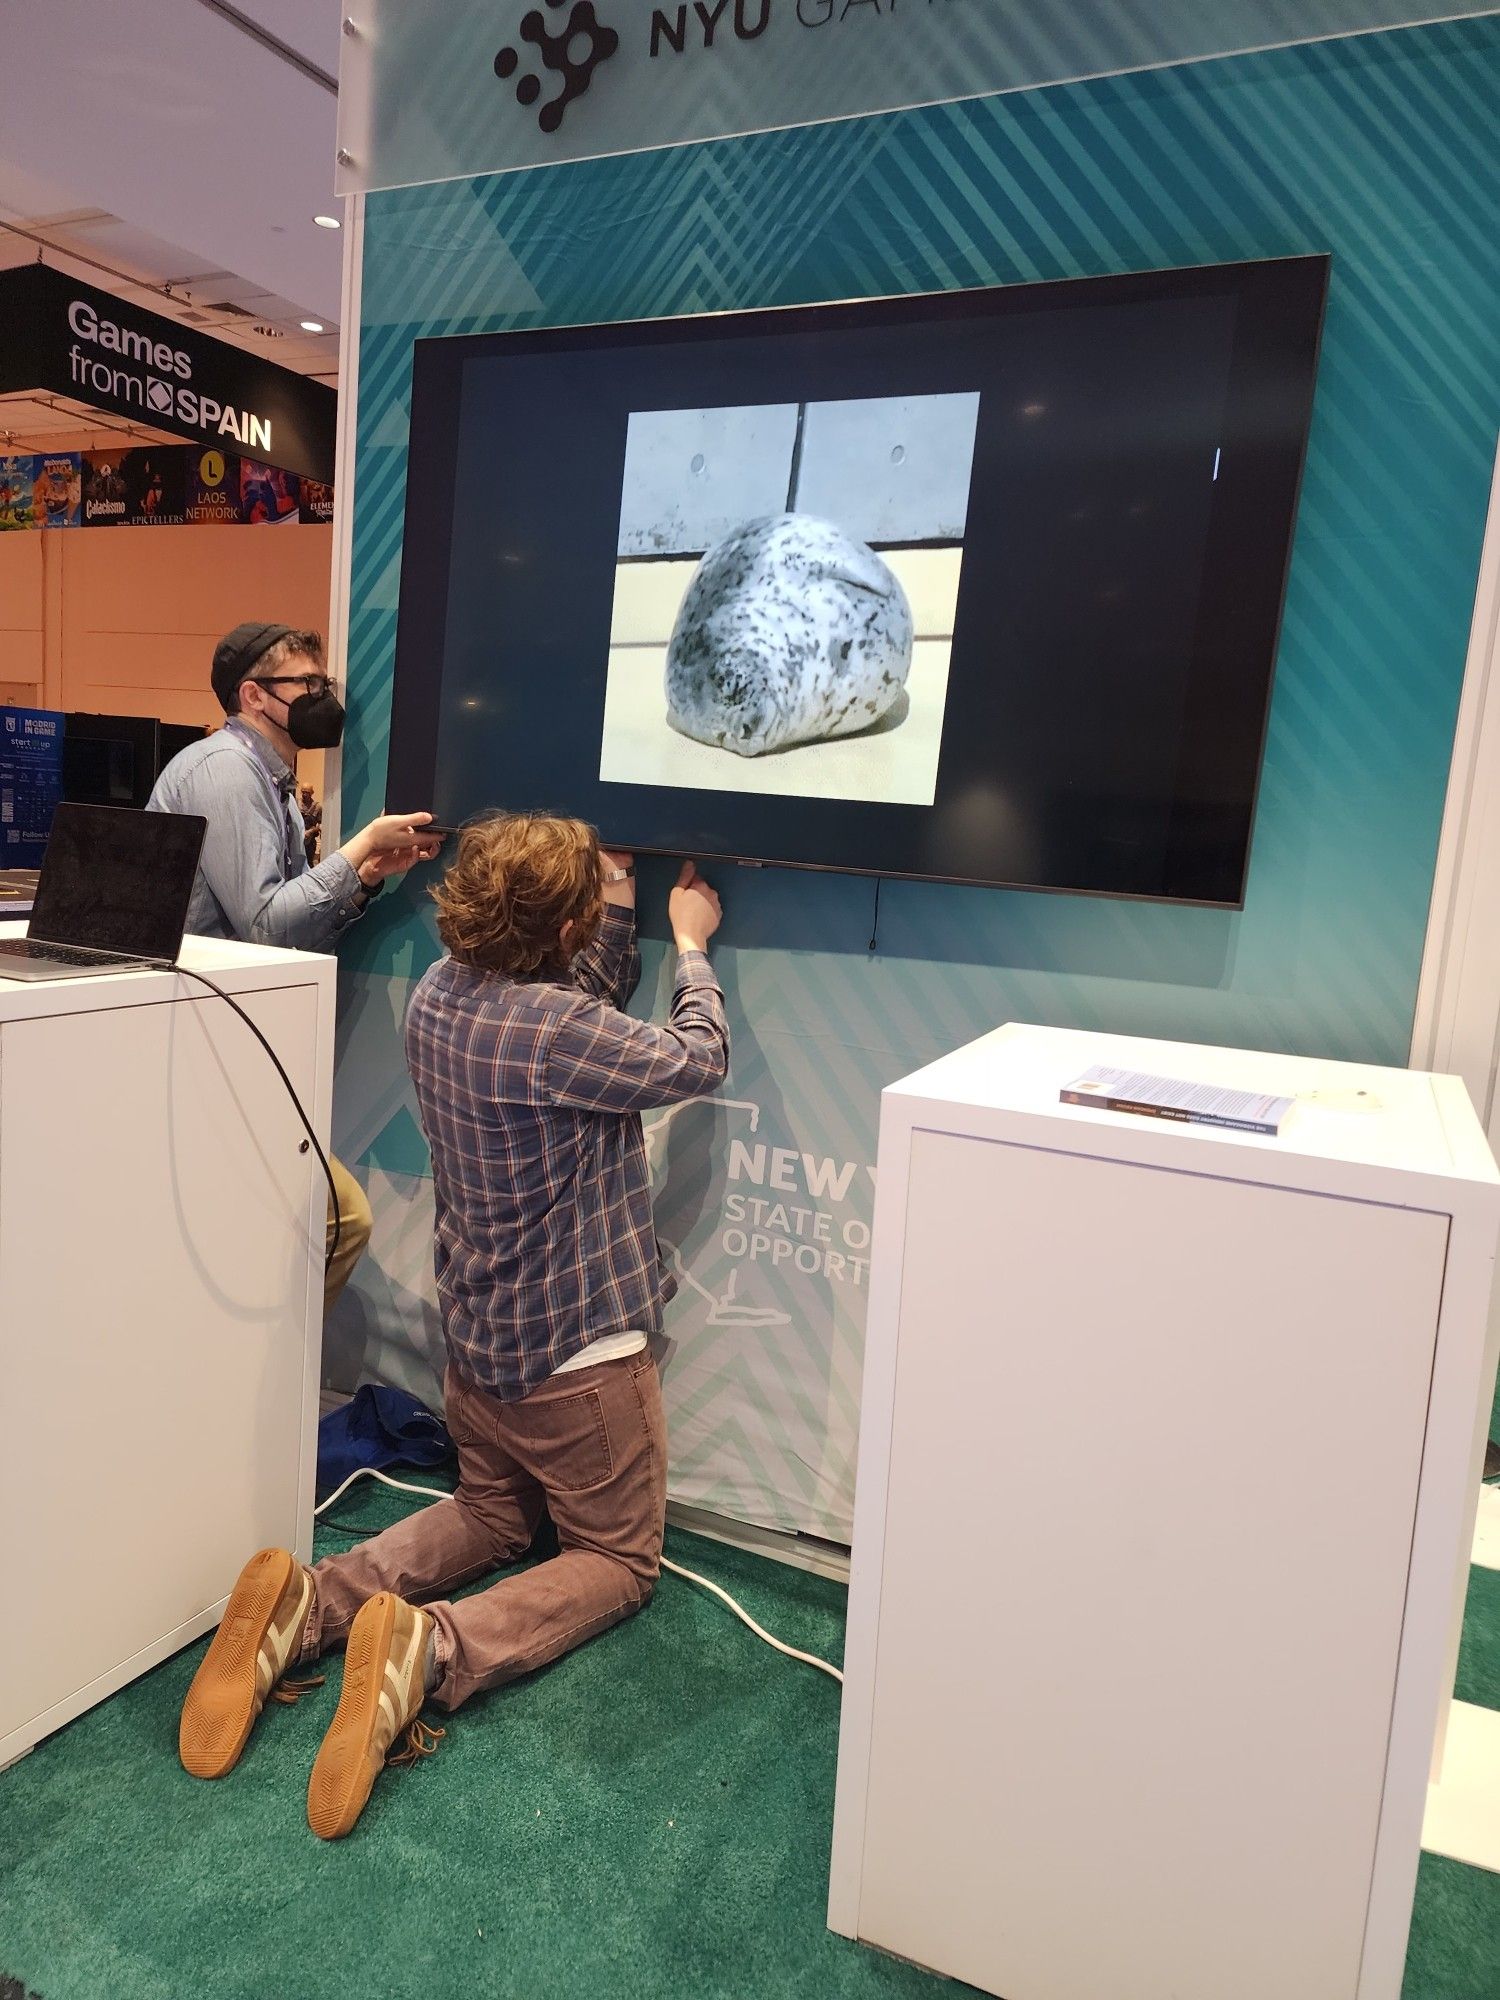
{"x":1378,"y":150}
{"x":431,"y":90}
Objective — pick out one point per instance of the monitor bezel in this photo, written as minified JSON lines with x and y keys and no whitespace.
{"x":1282,"y":303}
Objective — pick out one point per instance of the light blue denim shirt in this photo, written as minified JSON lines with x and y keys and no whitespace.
{"x":253,"y":879}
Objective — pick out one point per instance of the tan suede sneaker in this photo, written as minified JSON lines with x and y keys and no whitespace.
{"x":258,"y":1636}
{"x":385,"y":1685}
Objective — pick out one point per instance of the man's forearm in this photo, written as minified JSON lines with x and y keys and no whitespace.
{"x":604,"y":1060}
{"x":697,"y":1008}
{"x":610,"y":966}
{"x":310,"y":911}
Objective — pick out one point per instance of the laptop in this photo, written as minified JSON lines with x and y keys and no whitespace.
{"x":112,"y":895}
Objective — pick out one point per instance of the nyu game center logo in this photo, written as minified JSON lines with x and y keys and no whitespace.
{"x":582,"y":31}
{"x":676,"y":28}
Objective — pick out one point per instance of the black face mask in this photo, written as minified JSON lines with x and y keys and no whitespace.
{"x":315,"y":721}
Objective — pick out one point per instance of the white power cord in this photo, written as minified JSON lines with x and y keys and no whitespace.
{"x":808,"y":1659}
{"x":690,"y":1575}
{"x":369,"y":1472}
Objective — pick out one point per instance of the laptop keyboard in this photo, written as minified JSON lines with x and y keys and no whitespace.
{"x":55,"y":954}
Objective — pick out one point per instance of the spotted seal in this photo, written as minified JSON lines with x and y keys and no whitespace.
{"x":791,"y":631}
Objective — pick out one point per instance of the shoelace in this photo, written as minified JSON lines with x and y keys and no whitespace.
{"x":420,"y":1740}
{"x":287,"y":1692}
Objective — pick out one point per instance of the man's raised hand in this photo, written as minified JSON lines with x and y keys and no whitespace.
{"x":694,"y":909}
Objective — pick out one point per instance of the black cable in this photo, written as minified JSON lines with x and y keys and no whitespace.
{"x":333,"y":1193}
{"x":875,"y":925}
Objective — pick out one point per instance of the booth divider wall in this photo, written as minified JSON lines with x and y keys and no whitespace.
{"x":22,"y":619}
{"x":1377,"y":149}
{"x":125,"y":621}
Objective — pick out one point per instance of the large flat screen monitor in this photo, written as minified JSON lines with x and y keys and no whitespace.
{"x":978,"y":586}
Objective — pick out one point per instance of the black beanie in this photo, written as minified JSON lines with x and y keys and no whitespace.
{"x":235,"y":657}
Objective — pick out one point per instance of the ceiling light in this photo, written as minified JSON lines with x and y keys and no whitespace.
{"x":311,"y":325}
{"x":327,"y":222}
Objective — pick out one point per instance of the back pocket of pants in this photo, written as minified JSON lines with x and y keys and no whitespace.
{"x":565,"y":1439}
{"x":462,"y":1415}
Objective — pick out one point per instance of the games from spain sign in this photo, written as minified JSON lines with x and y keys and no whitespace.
{"x":75,"y":341}
{"x":115,"y":360}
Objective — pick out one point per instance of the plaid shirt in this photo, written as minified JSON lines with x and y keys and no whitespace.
{"x":530,"y":1094}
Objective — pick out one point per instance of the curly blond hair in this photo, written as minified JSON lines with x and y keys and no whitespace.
{"x":516,"y":880}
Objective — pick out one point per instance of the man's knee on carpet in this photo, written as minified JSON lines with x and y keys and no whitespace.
{"x":507,"y":1536}
{"x":636,"y":1557}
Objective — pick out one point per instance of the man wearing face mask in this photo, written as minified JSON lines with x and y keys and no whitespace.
{"x":254,"y":881}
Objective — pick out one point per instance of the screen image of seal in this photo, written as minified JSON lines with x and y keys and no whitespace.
{"x":975,"y":586}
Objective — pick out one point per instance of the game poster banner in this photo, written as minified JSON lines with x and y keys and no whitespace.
{"x":103,"y":489}
{"x":155,"y":486}
{"x":268,"y":495}
{"x":57,"y":490}
{"x":155,"y":479}
{"x":17,"y":482}
{"x":213,"y":488}
{"x":314,"y":502}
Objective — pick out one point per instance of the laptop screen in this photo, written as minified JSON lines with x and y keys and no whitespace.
{"x":114,"y":879}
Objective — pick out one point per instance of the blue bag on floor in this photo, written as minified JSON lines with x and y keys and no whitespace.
{"x":379,"y":1427}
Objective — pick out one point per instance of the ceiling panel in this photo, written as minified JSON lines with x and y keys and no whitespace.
{"x":134,"y":265}
{"x":57,"y":423}
{"x":311,"y":27}
{"x":194,"y":131}
{"x":122,"y":243}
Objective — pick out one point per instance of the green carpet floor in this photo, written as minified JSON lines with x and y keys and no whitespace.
{"x":650,"y":1816}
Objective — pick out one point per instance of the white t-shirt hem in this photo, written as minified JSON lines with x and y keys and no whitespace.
{"x":610,"y":1347}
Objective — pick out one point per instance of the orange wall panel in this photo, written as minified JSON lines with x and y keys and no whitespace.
{"x":196,"y":581}
{"x":21,"y":618}
{"x":129,"y":617}
{"x":21,"y":613}
{"x":21,"y":580}
{"x":143,"y":608}
{"x":177,"y":660}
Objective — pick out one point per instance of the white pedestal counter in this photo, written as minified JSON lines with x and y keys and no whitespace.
{"x":162,"y":1225}
{"x":1169,"y":1455}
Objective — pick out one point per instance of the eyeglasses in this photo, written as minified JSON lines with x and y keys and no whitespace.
{"x":313,"y":684}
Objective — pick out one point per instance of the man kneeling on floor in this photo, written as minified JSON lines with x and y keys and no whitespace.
{"x":530,"y":1081}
